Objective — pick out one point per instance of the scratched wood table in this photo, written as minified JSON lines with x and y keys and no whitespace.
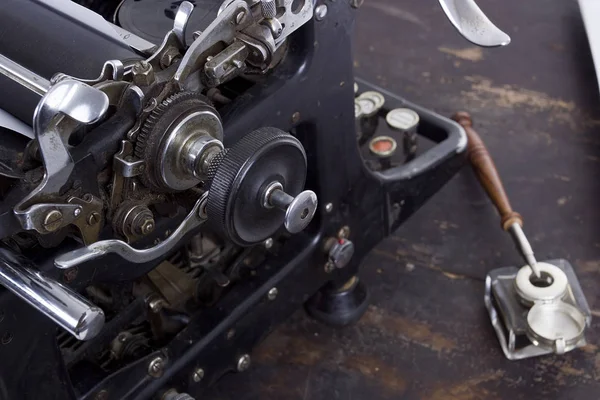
{"x":426,"y":334}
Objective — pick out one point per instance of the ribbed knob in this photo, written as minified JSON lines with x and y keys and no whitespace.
{"x":269,"y":8}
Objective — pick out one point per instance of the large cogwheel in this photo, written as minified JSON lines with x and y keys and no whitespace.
{"x":157,"y":127}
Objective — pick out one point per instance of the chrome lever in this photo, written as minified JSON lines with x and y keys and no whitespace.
{"x":473,"y":24}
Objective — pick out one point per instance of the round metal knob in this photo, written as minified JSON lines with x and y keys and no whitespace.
{"x":299,"y":210}
{"x":341,"y":252}
{"x":269,"y":8}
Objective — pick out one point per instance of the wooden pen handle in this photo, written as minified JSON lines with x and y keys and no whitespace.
{"x":484,"y":167}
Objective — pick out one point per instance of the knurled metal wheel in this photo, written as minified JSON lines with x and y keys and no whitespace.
{"x":241,"y":176}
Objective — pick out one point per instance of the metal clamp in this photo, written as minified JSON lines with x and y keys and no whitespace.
{"x":233,"y":18}
{"x":195,"y":218}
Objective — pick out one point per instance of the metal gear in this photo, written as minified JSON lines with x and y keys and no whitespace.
{"x":175,"y":119}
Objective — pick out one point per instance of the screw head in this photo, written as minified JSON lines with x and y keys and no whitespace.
{"x":272,"y":293}
{"x":156,"y":367}
{"x":239,"y":18}
{"x":295,"y":117}
{"x":268,"y":243}
{"x":320,"y":12}
{"x":93,"y":219}
{"x":329,"y":207}
{"x":77,"y":211}
{"x":344,"y":232}
{"x":243,"y":363}
{"x":6,"y":338}
{"x":156,"y":304}
{"x":198,"y":375}
{"x":230,"y":334}
{"x":53,"y":220}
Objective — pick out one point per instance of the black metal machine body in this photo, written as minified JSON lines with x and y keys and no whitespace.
{"x":309,"y":94}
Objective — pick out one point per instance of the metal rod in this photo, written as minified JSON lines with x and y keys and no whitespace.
{"x":524,"y":247}
{"x":23,"y":76}
{"x":71,"y":311}
{"x":280,"y":199}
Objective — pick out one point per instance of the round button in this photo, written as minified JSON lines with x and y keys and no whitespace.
{"x":376,"y":97}
{"x":402,"y":119}
{"x":341,"y":253}
{"x":383,"y":146}
{"x":357,"y":109}
{"x":368,"y":106}
{"x":300,"y":211}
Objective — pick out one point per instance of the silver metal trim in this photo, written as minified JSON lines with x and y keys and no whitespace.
{"x":23,"y":76}
{"x":62,"y":305}
{"x":473,"y":24}
{"x":73,"y":258}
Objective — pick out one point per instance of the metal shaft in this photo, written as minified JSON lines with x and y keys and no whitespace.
{"x":524,"y":247}
{"x":67,"y":308}
{"x":23,"y":76}
{"x":280,"y":199}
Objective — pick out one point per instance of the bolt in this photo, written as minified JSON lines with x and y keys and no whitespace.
{"x":169,"y":56}
{"x":156,"y":367}
{"x":239,"y":18}
{"x":147,"y":226}
{"x":344,"y":233}
{"x":230,"y":334}
{"x":329,"y":207}
{"x":156,"y":303}
{"x":243,"y":363}
{"x":122,"y":337}
{"x":272,"y":293}
{"x":167,"y":233}
{"x":320,"y":12}
{"x":143,"y":73}
{"x":70,"y":274}
{"x":93,"y":219}
{"x":53,"y":220}
{"x":295,"y":117}
{"x":356,"y":3}
{"x":329,"y":267}
{"x":198,"y":375}
{"x":268,"y":243}
{"x":77,"y":211}
{"x":101,"y":395}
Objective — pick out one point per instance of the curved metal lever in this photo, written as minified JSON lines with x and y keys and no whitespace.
{"x":184,"y":12}
{"x":473,"y":24}
{"x":73,"y":258}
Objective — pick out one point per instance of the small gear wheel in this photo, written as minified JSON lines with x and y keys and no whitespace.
{"x":173,"y":120}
